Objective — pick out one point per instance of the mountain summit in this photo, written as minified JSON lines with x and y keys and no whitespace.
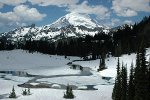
{"x":70,"y":25}
{"x":75,"y":19}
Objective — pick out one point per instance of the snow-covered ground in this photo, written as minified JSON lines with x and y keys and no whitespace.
{"x":111,"y":63}
{"x":50,"y":67}
{"x":35,"y":63}
{"x":54,"y":94}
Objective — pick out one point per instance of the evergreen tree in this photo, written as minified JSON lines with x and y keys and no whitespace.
{"x":24,"y":92}
{"x":114,"y":90}
{"x":131,"y":84}
{"x":102,"y":62}
{"x":116,"y":95}
{"x":12,"y":94}
{"x":137,"y":71}
{"x":141,"y":78}
{"x":69,"y":92}
{"x":148,"y":78}
{"x":123,"y":83}
{"x":29,"y":93}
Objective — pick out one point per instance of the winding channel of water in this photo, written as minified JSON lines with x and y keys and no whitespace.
{"x":85,"y":71}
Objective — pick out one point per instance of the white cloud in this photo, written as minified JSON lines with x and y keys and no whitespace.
{"x":12,"y":2}
{"x":128,"y":22}
{"x":113,"y":22}
{"x":129,"y":12}
{"x":28,"y":14}
{"x":99,"y":10}
{"x":20,"y":15}
{"x":128,"y":8}
{"x":59,"y":3}
{"x":1,"y":5}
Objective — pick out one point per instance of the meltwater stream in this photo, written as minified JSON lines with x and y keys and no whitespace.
{"x":85,"y":71}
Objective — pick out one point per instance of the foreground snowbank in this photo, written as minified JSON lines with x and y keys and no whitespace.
{"x":104,"y":93}
{"x":41,"y":64}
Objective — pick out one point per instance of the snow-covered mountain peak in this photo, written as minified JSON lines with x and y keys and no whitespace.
{"x":71,"y":25}
{"x":75,"y":19}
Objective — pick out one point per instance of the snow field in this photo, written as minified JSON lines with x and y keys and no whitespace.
{"x":40,"y":64}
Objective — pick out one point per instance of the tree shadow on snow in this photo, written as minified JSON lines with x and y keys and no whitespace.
{"x":4,"y":96}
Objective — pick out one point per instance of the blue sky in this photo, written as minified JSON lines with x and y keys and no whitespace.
{"x":16,"y":13}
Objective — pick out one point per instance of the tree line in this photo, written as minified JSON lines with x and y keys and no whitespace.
{"x":116,"y":43}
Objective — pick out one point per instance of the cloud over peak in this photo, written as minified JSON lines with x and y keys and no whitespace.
{"x":124,"y":8}
{"x":113,"y":12}
{"x":99,"y":10}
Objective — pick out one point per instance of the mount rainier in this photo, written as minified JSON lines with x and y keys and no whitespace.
{"x":70,"y":25}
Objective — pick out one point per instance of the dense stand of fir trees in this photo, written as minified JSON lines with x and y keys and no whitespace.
{"x":123,"y":41}
{"x":137,"y":87}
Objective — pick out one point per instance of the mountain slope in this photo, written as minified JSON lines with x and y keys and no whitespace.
{"x":75,"y":20}
{"x":70,"y":25}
